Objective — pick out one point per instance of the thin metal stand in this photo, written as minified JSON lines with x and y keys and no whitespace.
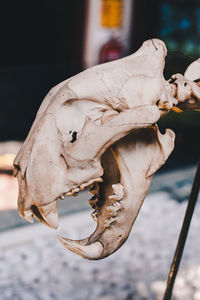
{"x":183,"y":235}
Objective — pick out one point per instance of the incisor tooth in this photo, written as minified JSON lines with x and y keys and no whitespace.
{"x":28,"y":216}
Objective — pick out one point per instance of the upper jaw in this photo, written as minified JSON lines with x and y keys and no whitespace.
{"x":48,"y":213}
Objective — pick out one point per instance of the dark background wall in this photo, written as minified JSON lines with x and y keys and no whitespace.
{"x":41,"y":45}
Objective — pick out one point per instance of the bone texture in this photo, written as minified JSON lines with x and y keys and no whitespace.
{"x":98,"y":130}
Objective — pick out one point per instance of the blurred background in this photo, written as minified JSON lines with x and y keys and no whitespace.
{"x":43,"y":42}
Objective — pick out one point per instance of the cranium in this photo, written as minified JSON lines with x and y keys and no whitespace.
{"x":97,"y":130}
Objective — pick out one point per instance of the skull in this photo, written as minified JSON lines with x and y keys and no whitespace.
{"x":97,"y":130}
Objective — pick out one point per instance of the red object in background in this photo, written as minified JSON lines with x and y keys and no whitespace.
{"x":110,"y":51}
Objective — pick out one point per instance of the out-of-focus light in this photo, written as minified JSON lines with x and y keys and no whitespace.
{"x":6,"y":161}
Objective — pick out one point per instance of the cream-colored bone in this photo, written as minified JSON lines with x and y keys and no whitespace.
{"x":193,"y":71}
{"x":137,"y":165}
{"x":100,"y":124}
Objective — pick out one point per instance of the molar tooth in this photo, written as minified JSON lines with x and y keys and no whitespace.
{"x":83,"y":186}
{"x":90,"y":183}
{"x":109,"y":221}
{"x":69,"y":193}
{"x":75,"y":191}
{"x":72,"y":192}
{"x":113,"y":209}
{"x":118,"y":192}
{"x":117,"y":204}
{"x":113,"y":197}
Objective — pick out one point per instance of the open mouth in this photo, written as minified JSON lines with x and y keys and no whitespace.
{"x":117,"y":196}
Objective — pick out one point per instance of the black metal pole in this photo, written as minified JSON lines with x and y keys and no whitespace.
{"x":183,"y":235}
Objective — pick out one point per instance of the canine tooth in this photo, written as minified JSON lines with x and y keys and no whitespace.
{"x":49,"y":213}
{"x":92,"y":251}
{"x":52,"y":219}
{"x":62,"y":197}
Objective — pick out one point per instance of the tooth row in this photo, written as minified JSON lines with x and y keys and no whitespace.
{"x":73,"y":192}
{"x":118,"y":192}
{"x":90,"y":183}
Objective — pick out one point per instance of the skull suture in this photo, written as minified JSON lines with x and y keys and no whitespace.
{"x":97,"y":129}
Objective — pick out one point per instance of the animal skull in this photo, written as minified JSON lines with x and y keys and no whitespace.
{"x":97,"y":130}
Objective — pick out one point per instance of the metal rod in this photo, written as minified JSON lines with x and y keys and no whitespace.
{"x":183,"y":235}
